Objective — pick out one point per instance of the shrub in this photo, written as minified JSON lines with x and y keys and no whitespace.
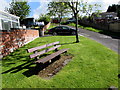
{"x":44,"y":18}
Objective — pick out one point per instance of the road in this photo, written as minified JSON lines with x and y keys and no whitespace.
{"x":108,"y":41}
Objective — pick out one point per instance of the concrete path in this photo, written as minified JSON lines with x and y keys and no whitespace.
{"x":108,"y":41}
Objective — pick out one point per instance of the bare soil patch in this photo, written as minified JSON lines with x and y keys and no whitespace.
{"x":55,"y":66}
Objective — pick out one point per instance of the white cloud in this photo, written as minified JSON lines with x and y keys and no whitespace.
{"x":42,"y":9}
{"x":104,"y":3}
{"x":3,"y":4}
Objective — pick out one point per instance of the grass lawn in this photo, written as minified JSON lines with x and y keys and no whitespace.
{"x":93,"y":66}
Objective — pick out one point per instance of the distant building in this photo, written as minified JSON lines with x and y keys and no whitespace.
{"x":108,"y":15}
{"x":8,"y":21}
{"x":105,"y":16}
{"x":28,"y":22}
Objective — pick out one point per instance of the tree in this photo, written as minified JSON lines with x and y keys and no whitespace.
{"x":78,"y":6}
{"x":114,"y":8}
{"x":45,"y":18}
{"x":58,"y":9}
{"x":20,"y":9}
{"x":74,"y":7}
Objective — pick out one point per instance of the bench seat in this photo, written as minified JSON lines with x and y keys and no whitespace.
{"x":49,"y":57}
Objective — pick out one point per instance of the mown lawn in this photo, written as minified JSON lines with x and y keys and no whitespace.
{"x":93,"y":66}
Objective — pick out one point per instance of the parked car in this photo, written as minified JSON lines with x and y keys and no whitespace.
{"x":61,"y":30}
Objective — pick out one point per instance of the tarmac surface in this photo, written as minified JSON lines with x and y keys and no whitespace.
{"x":111,"y":42}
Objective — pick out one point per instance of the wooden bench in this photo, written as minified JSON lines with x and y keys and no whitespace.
{"x":49,"y":57}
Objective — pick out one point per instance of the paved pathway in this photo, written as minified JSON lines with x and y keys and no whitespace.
{"x":109,"y":41}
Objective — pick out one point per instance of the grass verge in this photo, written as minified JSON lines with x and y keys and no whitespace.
{"x":93,"y":66}
{"x":87,"y":28}
{"x":110,"y":33}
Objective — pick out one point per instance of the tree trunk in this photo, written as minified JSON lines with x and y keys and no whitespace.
{"x":77,"y":39}
{"x":60,"y":21}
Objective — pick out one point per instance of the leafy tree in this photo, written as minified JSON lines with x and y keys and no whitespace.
{"x":78,"y":6}
{"x":114,"y":8}
{"x":20,"y":9}
{"x":58,"y":9}
{"x":45,"y":18}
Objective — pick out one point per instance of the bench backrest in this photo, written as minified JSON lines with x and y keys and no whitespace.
{"x":36,"y":53}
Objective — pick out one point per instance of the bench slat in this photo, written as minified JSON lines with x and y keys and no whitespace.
{"x":43,"y":46}
{"x":49,"y":57}
{"x":44,"y":51}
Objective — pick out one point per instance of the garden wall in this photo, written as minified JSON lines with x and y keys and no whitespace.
{"x":15,"y":39}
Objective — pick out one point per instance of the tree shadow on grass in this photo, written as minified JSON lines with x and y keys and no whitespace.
{"x":25,"y":65}
{"x":66,"y":43}
{"x":39,"y":66}
{"x":18,"y":68}
{"x":32,"y":70}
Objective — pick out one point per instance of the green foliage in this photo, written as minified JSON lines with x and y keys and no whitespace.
{"x":92,"y":29}
{"x":44,"y":18}
{"x":93,"y":66}
{"x":20,"y":9}
{"x":63,"y":23}
{"x":58,"y":9}
{"x":51,"y":26}
{"x":72,"y":24}
{"x":114,"y":8}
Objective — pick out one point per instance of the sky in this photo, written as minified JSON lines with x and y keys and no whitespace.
{"x":40,"y":6}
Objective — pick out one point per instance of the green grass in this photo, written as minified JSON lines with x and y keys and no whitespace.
{"x":87,"y":28}
{"x":51,"y":26}
{"x":106,"y":32}
{"x":93,"y":66}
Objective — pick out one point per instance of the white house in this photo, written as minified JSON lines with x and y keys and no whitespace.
{"x":8,"y":21}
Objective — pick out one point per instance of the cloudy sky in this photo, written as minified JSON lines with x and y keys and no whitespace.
{"x":40,"y":6}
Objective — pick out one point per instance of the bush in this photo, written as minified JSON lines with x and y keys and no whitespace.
{"x":72,"y":24}
{"x":63,"y":23}
{"x":44,"y":18}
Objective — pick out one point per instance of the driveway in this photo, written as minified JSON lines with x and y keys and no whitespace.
{"x":108,"y":41}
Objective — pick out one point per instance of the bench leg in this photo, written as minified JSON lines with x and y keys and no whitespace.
{"x":50,"y":61}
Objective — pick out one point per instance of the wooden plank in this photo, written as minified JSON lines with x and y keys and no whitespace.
{"x":43,"y":46}
{"x":44,"y":51}
{"x":49,"y":57}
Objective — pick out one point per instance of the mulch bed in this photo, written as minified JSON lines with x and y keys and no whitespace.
{"x":53,"y":68}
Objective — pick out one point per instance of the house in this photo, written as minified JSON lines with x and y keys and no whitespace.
{"x":8,"y":21}
{"x":105,"y":17}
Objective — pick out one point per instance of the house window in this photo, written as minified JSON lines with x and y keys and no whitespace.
{"x":6,"y":25}
{"x":15,"y":25}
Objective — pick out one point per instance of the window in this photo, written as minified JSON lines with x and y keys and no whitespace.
{"x":14,"y":24}
{"x":65,"y":27}
{"x":58,"y":28}
{"x":6,"y":25}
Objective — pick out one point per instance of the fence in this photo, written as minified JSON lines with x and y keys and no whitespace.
{"x":102,"y":26}
{"x":114,"y":27}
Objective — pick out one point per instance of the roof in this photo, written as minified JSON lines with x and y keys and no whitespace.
{"x":8,"y":14}
{"x":108,"y":13}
